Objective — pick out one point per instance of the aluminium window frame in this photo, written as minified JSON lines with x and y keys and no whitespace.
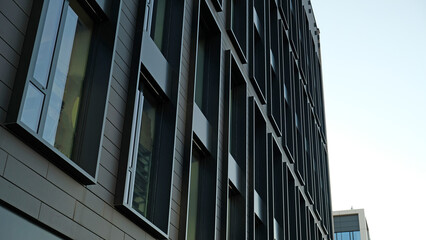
{"x":93,"y":109}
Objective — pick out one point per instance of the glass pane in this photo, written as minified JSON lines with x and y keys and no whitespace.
{"x":199,"y":84}
{"x":47,"y":42}
{"x":193,"y":197}
{"x":64,"y":105}
{"x":13,"y":226}
{"x":158,"y":22}
{"x":144,"y":166}
{"x":357,"y":235}
{"x":33,"y":105}
{"x":345,"y":236}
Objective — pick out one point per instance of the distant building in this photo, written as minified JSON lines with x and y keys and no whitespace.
{"x":350,"y":225}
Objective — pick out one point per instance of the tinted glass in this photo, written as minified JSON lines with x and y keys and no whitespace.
{"x":199,"y":84}
{"x":157,"y":32}
{"x":68,"y":79}
{"x":194,"y":196}
{"x":145,"y":163}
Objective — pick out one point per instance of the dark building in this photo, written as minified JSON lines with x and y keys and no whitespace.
{"x":350,"y":225}
{"x":162,"y":119}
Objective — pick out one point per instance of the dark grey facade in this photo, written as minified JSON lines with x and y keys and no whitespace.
{"x":196,"y":119}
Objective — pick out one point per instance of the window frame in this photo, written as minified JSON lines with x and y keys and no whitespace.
{"x":235,"y":198}
{"x":158,"y":76}
{"x":92,"y":110}
{"x":203,"y":130}
{"x":240,"y":43}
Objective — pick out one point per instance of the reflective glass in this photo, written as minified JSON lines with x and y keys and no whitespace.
{"x":47,"y":42}
{"x":70,"y":68}
{"x":193,"y":197}
{"x":145,"y":164}
{"x":33,"y":105}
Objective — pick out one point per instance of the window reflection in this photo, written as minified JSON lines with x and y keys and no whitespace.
{"x":68,"y":78}
{"x":145,"y":164}
{"x":32,"y":108}
{"x":47,"y":42}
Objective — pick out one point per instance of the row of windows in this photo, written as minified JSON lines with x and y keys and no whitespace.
{"x":57,"y":101}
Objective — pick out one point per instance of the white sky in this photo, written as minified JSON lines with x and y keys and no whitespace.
{"x":374,"y":69}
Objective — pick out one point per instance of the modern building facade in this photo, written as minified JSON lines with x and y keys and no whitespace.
{"x":350,"y":225}
{"x":162,"y":119}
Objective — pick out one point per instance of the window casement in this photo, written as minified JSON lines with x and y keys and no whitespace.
{"x":257,"y":63}
{"x":144,"y":179}
{"x":235,"y":165}
{"x":275,"y":79}
{"x":237,"y":26}
{"x":258,"y":173}
{"x":276,"y":193}
{"x":54,"y":106}
{"x":201,"y":165}
{"x":287,"y":88}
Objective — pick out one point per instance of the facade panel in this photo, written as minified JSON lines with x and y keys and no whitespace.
{"x":195,"y":119}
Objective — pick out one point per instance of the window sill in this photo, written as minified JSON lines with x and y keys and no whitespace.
{"x":51,"y":154}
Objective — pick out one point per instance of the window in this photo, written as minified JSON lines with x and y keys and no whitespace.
{"x":277,"y":189}
{"x":54,"y":106}
{"x":258,"y":167}
{"x":235,"y":166}
{"x":194,"y":195}
{"x":146,"y":166}
{"x":202,"y":167}
{"x":144,"y":179}
{"x":207,"y":69}
{"x":287,"y":120}
{"x":158,"y":27}
{"x":258,"y":50}
{"x":237,"y":26}
{"x":53,"y":101}
{"x":274,"y":86}
{"x":354,"y":235}
{"x":145,"y":174}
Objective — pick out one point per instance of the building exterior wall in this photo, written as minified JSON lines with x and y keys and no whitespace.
{"x":38,"y":187}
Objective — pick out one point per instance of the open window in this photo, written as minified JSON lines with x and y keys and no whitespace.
{"x":55,"y":105}
{"x":144,"y":180}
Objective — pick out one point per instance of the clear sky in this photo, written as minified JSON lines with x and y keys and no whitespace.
{"x":374,"y":70}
